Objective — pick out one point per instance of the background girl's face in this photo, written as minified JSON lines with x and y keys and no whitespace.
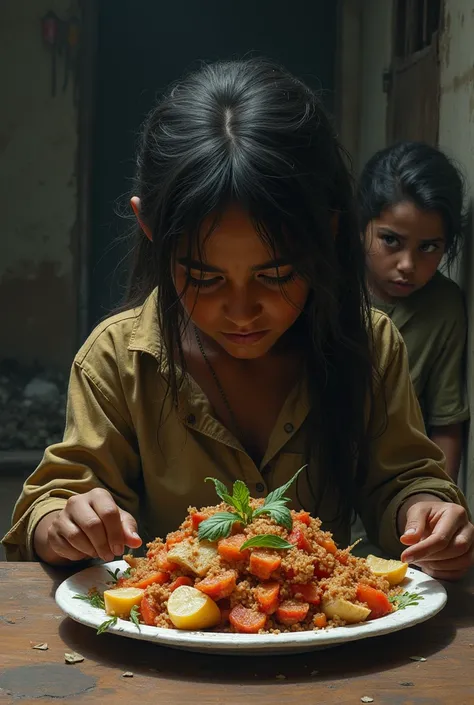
{"x":241,"y":295}
{"x":404,"y":247}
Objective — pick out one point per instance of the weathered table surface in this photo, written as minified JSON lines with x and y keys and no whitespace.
{"x":379,"y":668}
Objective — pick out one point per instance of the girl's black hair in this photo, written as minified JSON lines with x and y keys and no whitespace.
{"x":419,"y":173}
{"x":248,"y":132}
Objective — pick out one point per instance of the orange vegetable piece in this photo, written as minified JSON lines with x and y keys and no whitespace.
{"x":267,"y":595}
{"x":218,"y":586}
{"x":149,"y":610}
{"x":263,"y":563}
{"x":164,"y":563}
{"x":291,"y":612}
{"x":310,"y":592}
{"x":376,"y":600}
{"x":342,"y":557}
{"x":304,"y":517}
{"x":246,"y":621}
{"x":182,"y":580}
{"x":299,"y":539}
{"x":320,"y":571}
{"x":320,"y":620}
{"x":197,"y":518}
{"x":160,"y":578}
{"x":329,"y":545}
{"x":229,"y":548}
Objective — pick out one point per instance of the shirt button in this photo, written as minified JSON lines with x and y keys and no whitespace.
{"x":289,"y":428}
{"x":191,"y":419}
{"x":260,"y":487}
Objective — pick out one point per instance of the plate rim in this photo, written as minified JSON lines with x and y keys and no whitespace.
{"x":226,"y":641}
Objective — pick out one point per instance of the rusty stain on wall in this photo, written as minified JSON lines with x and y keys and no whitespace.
{"x":464,"y":79}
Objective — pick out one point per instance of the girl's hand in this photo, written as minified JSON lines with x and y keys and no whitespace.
{"x":439,"y":535}
{"x":91,"y":525}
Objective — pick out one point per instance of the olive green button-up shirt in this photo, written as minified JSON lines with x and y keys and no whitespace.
{"x":123,"y":433}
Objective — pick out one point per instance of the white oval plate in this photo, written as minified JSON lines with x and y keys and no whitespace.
{"x":434,"y":599}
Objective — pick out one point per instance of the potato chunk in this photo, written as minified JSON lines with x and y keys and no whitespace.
{"x":193,"y":556}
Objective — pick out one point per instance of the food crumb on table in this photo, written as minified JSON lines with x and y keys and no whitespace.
{"x":407,"y":683}
{"x":73,"y":657}
{"x":366,"y":699}
{"x":41,"y":646}
{"x":417,"y":658}
{"x":127,"y":674}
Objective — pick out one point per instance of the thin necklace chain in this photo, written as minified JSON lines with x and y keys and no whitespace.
{"x":223,"y":395}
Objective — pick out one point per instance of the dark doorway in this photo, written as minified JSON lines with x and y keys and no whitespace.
{"x":142,"y":47}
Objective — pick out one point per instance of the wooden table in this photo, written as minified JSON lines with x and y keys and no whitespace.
{"x":379,"y":668}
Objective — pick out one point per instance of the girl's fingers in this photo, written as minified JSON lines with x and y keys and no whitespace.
{"x":440,"y":538}
{"x":86,"y":518}
{"x":64,"y":549}
{"x":461,"y":544}
{"x":459,"y":563}
{"x":108,"y":512}
{"x":129,"y":525}
{"x":74,"y":535}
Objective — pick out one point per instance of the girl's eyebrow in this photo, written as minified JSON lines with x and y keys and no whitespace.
{"x":210,"y":268}
{"x":388,"y":231}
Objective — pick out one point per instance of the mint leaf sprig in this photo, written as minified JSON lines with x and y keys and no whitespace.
{"x":407,"y":599}
{"x":220,"y":525}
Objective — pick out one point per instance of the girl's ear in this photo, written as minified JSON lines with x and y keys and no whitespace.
{"x":135,"y":203}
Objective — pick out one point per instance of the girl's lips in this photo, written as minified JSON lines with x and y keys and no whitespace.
{"x":245,"y":338}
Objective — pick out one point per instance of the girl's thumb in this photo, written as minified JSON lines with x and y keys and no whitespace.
{"x":415,"y":524}
{"x":132,"y":539}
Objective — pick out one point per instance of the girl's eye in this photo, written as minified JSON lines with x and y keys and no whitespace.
{"x":203,"y":283}
{"x":429,"y":247}
{"x":278,"y":281}
{"x":391,"y":240}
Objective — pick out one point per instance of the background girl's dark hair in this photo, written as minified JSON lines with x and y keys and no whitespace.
{"x":416,"y":172}
{"x":248,"y":132}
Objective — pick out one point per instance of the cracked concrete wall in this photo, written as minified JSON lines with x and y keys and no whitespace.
{"x":38,"y":141}
{"x":456,"y":136}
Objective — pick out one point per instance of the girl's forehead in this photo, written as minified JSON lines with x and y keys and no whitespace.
{"x":407,"y":219}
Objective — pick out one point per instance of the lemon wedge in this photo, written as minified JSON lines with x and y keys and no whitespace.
{"x":189,"y":608}
{"x":120,"y":601}
{"x":393,"y":571}
{"x":350,"y":613}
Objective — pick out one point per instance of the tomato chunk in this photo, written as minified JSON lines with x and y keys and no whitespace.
{"x":263,"y":563}
{"x":246,"y":621}
{"x":291,"y":612}
{"x":197,"y":518}
{"x":329,"y":545}
{"x":182,"y":580}
{"x":310,"y":592}
{"x":149,"y":610}
{"x":218,"y":586}
{"x":376,"y":600}
{"x":229,"y":548}
{"x":267,"y":595}
{"x":299,"y":539}
{"x":304,"y":517}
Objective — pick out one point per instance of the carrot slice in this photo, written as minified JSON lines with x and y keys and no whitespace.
{"x":246,"y":621}
{"x":310,"y":592}
{"x":267,"y":595}
{"x":320,"y":620}
{"x":299,"y":539}
{"x":149,"y":610}
{"x":263,"y":564}
{"x":218,"y":586}
{"x":229,"y":548}
{"x":182,"y":580}
{"x":304,"y":517}
{"x":291,"y":612}
{"x":376,"y":600}
{"x":197,"y":518}
{"x":160,"y":578}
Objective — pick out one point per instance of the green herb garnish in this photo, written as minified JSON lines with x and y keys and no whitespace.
{"x":114,"y":575}
{"x":266,"y":541}
{"x":126,"y":573}
{"x":220,"y":525}
{"x":407,"y":599}
{"x":135,"y":616}
{"x":95,"y":600}
{"x":105,"y":625}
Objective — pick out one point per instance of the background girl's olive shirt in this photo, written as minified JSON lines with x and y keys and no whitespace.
{"x":124,"y":434}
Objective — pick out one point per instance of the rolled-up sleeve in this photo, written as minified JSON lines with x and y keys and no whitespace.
{"x":403,"y":461}
{"x":99,"y":449}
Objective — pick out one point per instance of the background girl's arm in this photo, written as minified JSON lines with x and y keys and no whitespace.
{"x":403,"y":460}
{"x":99,"y":450}
{"x":450,"y":440}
